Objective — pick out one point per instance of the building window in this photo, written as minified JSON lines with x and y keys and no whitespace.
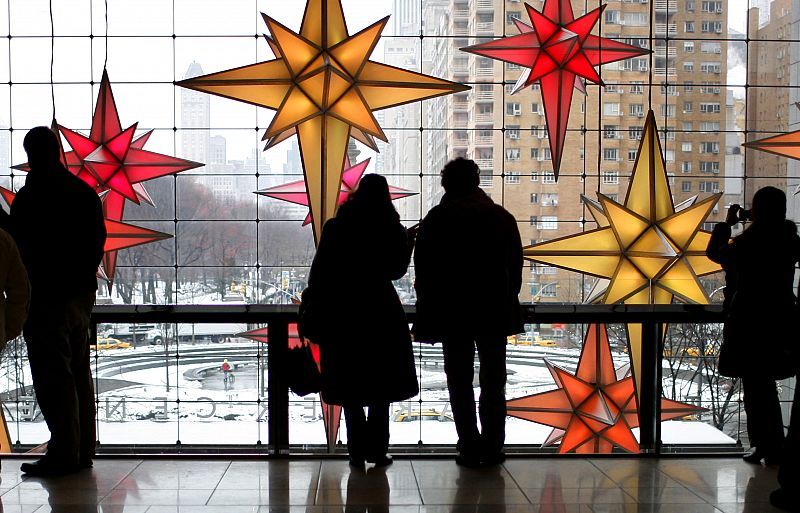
{"x":513,"y":109}
{"x":710,"y":108}
{"x":534,"y":221}
{"x":610,"y":177}
{"x":550,"y":199}
{"x":686,"y":186}
{"x":711,"y":27}
{"x":686,"y":167}
{"x":688,"y":26}
{"x":637,"y":88}
{"x":686,"y":147}
{"x":513,"y":15}
{"x":635,"y":132}
{"x":709,"y":147}
{"x":611,"y":131}
{"x":688,"y":46}
{"x":708,"y":187}
{"x":512,"y":131}
{"x":709,"y":167}
{"x":548,"y":223}
{"x":631,"y":155}
{"x":610,"y":154}
{"x":512,"y":177}
{"x":667,"y":111}
{"x":512,"y":154}
{"x":713,"y":7}
{"x":688,"y":66}
{"x":548,"y":177}
{"x":534,"y":153}
{"x":611,"y":109}
{"x":687,"y":107}
{"x":688,"y":86}
{"x":534,"y":176}
{"x":536,"y":109}
{"x":534,"y":198}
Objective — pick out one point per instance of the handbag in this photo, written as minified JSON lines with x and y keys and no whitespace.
{"x":309,"y":316}
{"x":301,"y":371}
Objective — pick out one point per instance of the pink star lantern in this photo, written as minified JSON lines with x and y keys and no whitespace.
{"x":592,"y":410}
{"x":558,"y":50}
{"x":295,"y":192}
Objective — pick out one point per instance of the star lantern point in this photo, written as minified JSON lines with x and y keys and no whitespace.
{"x":323,"y":88}
{"x":559,"y":52}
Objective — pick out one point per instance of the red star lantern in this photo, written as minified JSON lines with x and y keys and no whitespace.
{"x":592,"y":410}
{"x":115,"y":164}
{"x":331,"y":413}
{"x":119,"y":236}
{"x":297,"y":193}
{"x":558,"y":50}
{"x":110,"y":158}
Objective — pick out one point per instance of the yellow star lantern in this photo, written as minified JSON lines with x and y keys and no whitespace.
{"x":323,"y":87}
{"x":645,"y":251}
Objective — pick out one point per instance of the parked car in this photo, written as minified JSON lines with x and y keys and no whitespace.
{"x":421,"y":415}
{"x":109,"y":343}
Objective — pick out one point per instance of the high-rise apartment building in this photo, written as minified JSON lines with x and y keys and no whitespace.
{"x":768,"y":104}
{"x":506,"y":134}
{"x":195,"y":120}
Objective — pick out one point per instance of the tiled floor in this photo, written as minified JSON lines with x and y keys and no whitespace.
{"x":540,"y":485}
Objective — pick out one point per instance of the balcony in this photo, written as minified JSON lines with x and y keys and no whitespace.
{"x":484,"y":72}
{"x":484,"y":140}
{"x":668,"y":6}
{"x":485,"y":165}
{"x":484,"y":117}
{"x":666,"y":52}
{"x":482,"y":5}
{"x":666,"y":29}
{"x":461,"y":14}
{"x":662,"y":72}
{"x":484,"y":27}
{"x":484,"y":95}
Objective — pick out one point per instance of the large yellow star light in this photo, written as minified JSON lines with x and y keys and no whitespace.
{"x":645,"y":251}
{"x":323,"y":86}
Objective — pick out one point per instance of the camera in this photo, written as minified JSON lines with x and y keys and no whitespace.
{"x":744,"y":214}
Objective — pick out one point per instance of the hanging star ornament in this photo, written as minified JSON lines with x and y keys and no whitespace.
{"x":323,"y":86}
{"x":592,"y":410}
{"x":295,"y":192}
{"x":114,"y":162}
{"x":558,"y":51}
{"x":644,"y":251}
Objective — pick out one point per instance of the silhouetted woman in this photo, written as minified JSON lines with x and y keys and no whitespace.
{"x":365,"y":346}
{"x":760,"y":303}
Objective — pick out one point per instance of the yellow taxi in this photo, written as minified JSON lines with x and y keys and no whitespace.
{"x":421,"y":415}
{"x":109,"y":343}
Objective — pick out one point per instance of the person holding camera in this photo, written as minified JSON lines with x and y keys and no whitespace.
{"x":758,"y":340}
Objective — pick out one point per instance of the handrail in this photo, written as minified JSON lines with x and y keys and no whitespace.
{"x":651,"y":317}
{"x":540,"y":312}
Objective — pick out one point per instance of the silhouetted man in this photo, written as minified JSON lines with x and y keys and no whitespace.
{"x":57,"y":221}
{"x":468,"y":265}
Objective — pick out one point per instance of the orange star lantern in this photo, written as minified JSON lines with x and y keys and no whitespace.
{"x":323,"y":86}
{"x":592,"y":410}
{"x":645,"y":251}
{"x":785,"y":145}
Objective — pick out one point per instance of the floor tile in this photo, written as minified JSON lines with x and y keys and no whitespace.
{"x":276,"y":497}
{"x":469,"y":495}
{"x":158,"y":497}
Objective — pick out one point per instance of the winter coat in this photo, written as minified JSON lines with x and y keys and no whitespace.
{"x":14,"y":290}
{"x":468,"y":265}
{"x":365,"y":344}
{"x":57,"y":223}
{"x":760,"y":302}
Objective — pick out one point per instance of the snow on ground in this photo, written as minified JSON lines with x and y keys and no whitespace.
{"x":203,"y":412}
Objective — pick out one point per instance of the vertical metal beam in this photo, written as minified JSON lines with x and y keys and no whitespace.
{"x":278,"y":421}
{"x":650,"y":394}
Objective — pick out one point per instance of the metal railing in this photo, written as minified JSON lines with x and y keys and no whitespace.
{"x":278,"y":318}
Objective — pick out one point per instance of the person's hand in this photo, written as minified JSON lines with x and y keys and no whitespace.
{"x":733,"y":214}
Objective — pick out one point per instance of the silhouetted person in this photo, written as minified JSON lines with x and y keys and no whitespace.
{"x":788,"y":495}
{"x":468,"y":265}
{"x":57,"y":221}
{"x":14,"y":290}
{"x":759,"y":269}
{"x":365,"y":346}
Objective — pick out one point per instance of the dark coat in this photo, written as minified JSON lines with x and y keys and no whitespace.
{"x":760,"y":303}
{"x":468,"y":265}
{"x":365,"y":345}
{"x":57,"y":222}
